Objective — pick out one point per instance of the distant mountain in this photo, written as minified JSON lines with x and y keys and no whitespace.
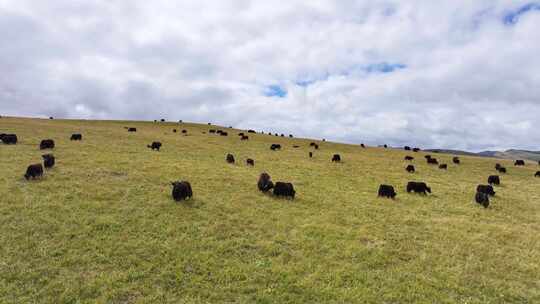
{"x":508,"y":154}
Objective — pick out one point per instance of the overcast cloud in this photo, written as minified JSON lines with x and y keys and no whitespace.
{"x":455,"y":74}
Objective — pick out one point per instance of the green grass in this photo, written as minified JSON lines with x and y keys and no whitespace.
{"x":102,"y":226}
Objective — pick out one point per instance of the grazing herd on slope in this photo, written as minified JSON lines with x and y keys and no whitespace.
{"x":182,"y":189}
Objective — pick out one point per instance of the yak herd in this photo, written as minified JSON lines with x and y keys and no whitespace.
{"x":182,"y":189}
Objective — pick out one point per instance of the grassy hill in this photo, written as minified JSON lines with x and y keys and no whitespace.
{"x":102,"y":226}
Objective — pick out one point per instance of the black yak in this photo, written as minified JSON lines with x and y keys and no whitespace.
{"x":416,"y":149}
{"x":284,"y":189}
{"x":76,"y":136}
{"x":230,"y":158}
{"x":362,"y":145}
{"x":487,"y":189}
{"x":250,"y":162}
{"x":418,"y":187}
{"x":494,"y":180}
{"x":48,"y":160}
{"x":407,"y":148}
{"x":34,"y":171}
{"x":46,"y":144}
{"x":156,"y":145}
{"x":410,"y":169}
{"x":502,"y":170}
{"x":482,"y":199}
{"x":181,"y":190}
{"x":456,"y":160}
{"x":387,"y":191}
{"x":275,"y":147}
{"x":251,"y":131}
{"x":244,"y":137}
{"x":432,"y":161}
{"x":132,"y":129}
{"x":519,"y":162}
{"x":9,"y":139}
{"x":537,"y":174}
{"x":497,"y":166}
{"x":443,"y":166}
{"x":310,"y":154}
{"x":265,"y":182}
{"x":336,"y":158}
{"x":409,"y":158}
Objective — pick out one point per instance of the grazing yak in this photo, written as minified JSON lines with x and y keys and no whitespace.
{"x":443,"y":166}
{"x":427,"y":156}
{"x":76,"y":136}
{"x":494,"y":180}
{"x":291,"y":136}
{"x":162,"y":120}
{"x":407,"y":148}
{"x":432,"y":161}
{"x":385,"y":146}
{"x":416,"y":149}
{"x":487,"y":189}
{"x":212,"y":131}
{"x":184,"y":131}
{"x":497,"y":166}
{"x":46,"y":144}
{"x":284,"y":189}
{"x":48,"y":160}
{"x":230,"y":158}
{"x":50,"y":117}
{"x":34,"y":171}
{"x":519,"y":162}
{"x":265,"y":183}
{"x":456,"y":160}
{"x":250,"y":162}
{"x":282,"y":135}
{"x":336,"y":158}
{"x":316,"y":147}
{"x":482,"y":199}
{"x":362,"y":145}
{"x":410,"y":169}
{"x":222,"y":133}
{"x":181,"y":190}
{"x":310,"y":154}
{"x":244,"y":137}
{"x":312,"y":144}
{"x":409,"y":158}
{"x":132,"y":129}
{"x":156,"y":145}
{"x":9,"y":139}
{"x":174,"y":130}
{"x":251,"y":131}
{"x":537,"y":174}
{"x":502,"y":170}
{"x":418,"y":187}
{"x":275,"y":147}
{"x":241,"y":134}
{"x":387,"y":191}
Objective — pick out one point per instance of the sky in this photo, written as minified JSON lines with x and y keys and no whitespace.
{"x":460,"y":74}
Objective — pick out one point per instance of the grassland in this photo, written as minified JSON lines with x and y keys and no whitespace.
{"x":101,"y":227}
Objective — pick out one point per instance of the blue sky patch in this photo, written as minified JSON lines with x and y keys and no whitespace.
{"x":512,"y":17}
{"x":384,"y":67}
{"x":275,"y":91}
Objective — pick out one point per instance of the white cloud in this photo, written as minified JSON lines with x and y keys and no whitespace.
{"x":470,"y":81}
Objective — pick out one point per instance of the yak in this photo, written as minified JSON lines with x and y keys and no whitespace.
{"x":156,"y":145}
{"x":387,"y":191}
{"x":48,"y":160}
{"x":46,"y":144}
{"x":181,"y":190}
{"x":265,"y":182}
{"x":34,"y":171}
{"x":418,"y":187}
{"x":482,"y":199}
{"x":494,"y":180}
{"x":284,"y":189}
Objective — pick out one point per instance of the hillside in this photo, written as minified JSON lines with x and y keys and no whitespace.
{"x":101,"y":226}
